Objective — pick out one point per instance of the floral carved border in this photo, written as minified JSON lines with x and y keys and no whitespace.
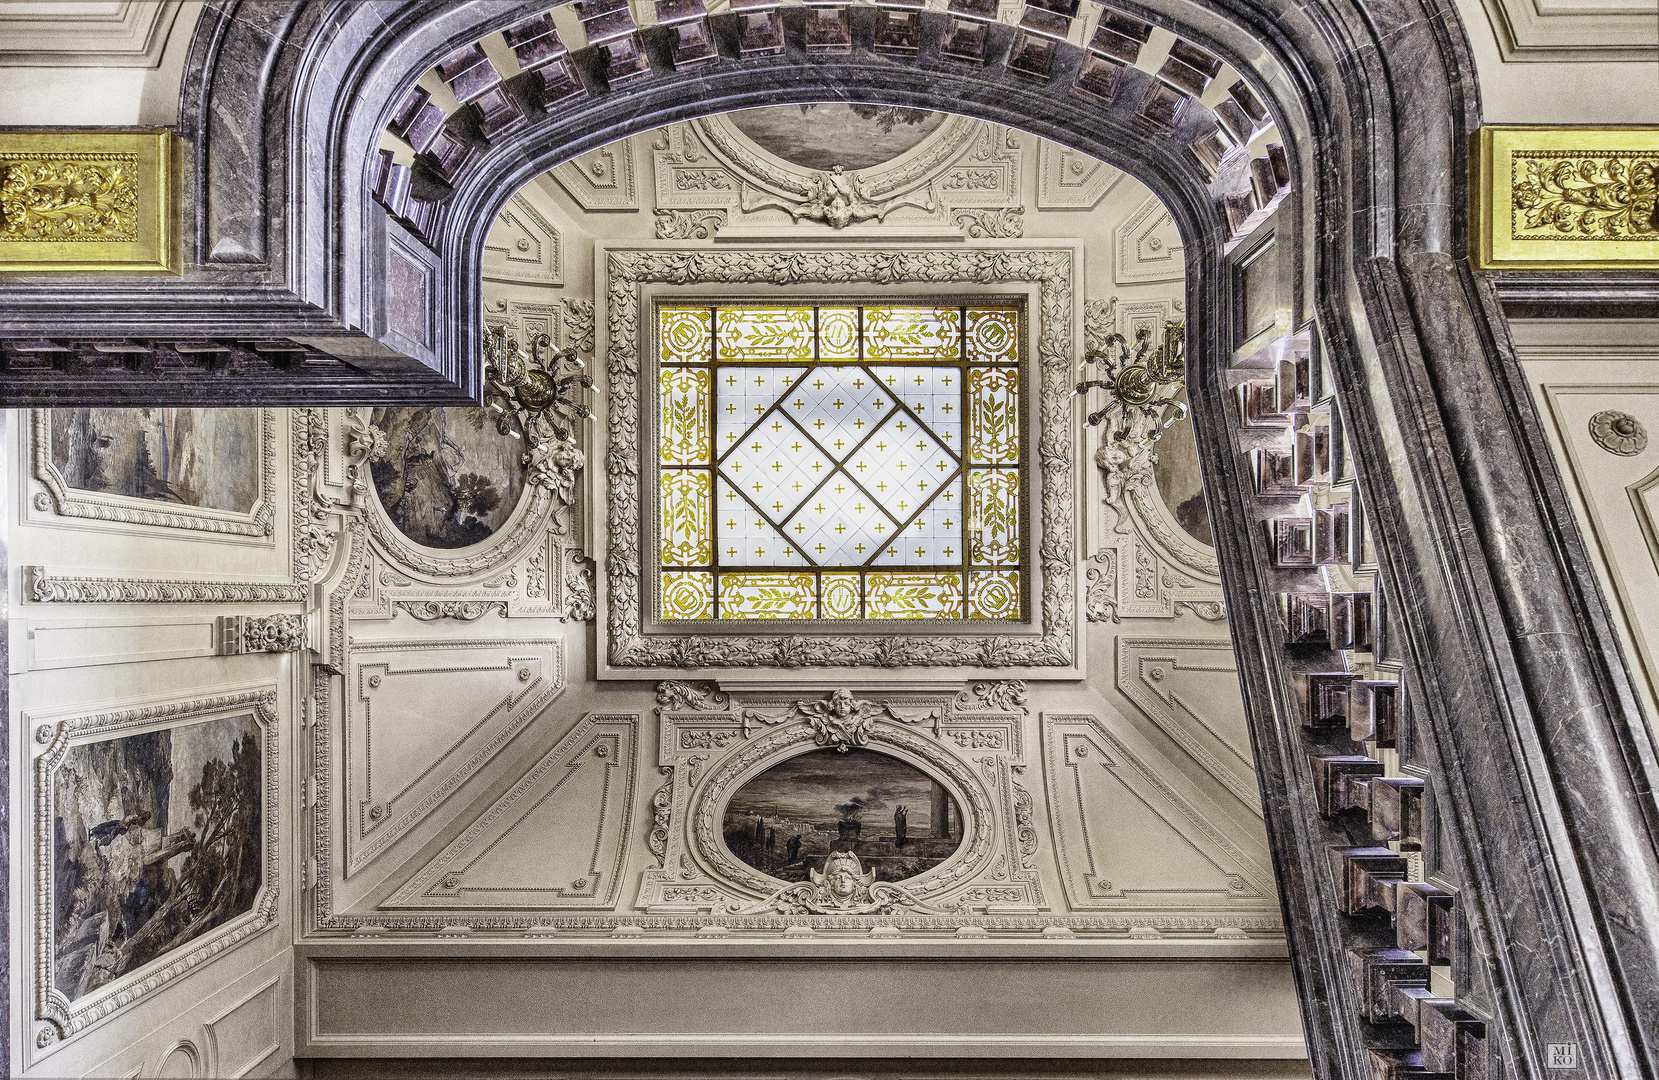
{"x":1053,"y":270}
{"x":63,"y":1017}
{"x":259,"y":522}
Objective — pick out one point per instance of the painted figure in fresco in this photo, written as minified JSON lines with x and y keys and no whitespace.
{"x":792,"y":848}
{"x":901,"y":824}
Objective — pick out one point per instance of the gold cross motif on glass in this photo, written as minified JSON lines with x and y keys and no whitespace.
{"x":839,"y":462}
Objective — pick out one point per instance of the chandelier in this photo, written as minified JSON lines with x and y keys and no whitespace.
{"x":532,"y":392}
{"x":1142,"y":387}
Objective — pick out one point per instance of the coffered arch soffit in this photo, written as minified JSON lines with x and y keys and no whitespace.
{"x":327,"y":244}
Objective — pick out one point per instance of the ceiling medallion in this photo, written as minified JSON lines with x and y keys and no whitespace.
{"x":1618,"y":433}
{"x":532,"y":392}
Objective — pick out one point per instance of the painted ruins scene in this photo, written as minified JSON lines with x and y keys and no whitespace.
{"x":899,"y":821}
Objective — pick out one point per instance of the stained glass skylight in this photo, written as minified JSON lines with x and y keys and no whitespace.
{"x":838,"y":462}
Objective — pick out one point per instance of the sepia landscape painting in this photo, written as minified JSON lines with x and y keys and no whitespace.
{"x":448,"y":478}
{"x":1181,"y":484}
{"x":197,"y":457}
{"x":852,"y":136}
{"x":158,"y":838}
{"x":899,"y":821}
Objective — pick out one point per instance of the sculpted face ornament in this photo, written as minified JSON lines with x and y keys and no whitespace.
{"x":843,"y":887}
{"x":840,"y":720}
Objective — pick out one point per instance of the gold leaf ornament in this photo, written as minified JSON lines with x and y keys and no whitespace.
{"x":59,"y":197}
{"x":1600,"y":197}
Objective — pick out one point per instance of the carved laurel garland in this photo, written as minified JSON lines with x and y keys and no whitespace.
{"x":68,"y":1017}
{"x":767,"y":751}
{"x":1051,"y":269}
{"x":65,"y":501}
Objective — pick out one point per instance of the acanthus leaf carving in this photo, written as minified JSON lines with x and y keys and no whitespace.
{"x":459,"y":610}
{"x":841,"y":720}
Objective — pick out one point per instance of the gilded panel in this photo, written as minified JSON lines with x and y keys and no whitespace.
{"x":101,"y":200}
{"x":1567,"y":198}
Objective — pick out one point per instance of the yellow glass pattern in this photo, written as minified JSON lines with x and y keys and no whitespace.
{"x":994,"y":415}
{"x":686,"y":528}
{"x":840,"y":594}
{"x":912,"y":334}
{"x":993,"y":516}
{"x":684,"y":397}
{"x":770,"y":334}
{"x":840,"y":462}
{"x":914,"y":596}
{"x":685,"y":335}
{"x":687,"y":594}
{"x":993,"y":594}
{"x":766,"y":596}
{"x":992,"y":335}
{"x":838,"y":333}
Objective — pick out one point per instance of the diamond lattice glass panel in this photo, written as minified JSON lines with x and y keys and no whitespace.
{"x":914,"y":596}
{"x":993,"y":516}
{"x":686,"y":498}
{"x":776,"y":466}
{"x":684,"y":397}
{"x":933,"y":395}
{"x":746,"y":538}
{"x":838,"y":333}
{"x":742,"y":396}
{"x":994,"y":416}
{"x":903,"y":466}
{"x":912,"y":334}
{"x":993,"y":594}
{"x":773,"y":334}
{"x":992,"y":335}
{"x":766,"y":596}
{"x":687,"y":594}
{"x":838,"y":406}
{"x":840,"y":525}
{"x":684,"y":335}
{"x":934,"y":536}
{"x":865,"y":462}
{"x":839,"y":594}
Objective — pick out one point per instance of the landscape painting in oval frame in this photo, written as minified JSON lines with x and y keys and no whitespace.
{"x":899,"y":821}
{"x":447,"y":478}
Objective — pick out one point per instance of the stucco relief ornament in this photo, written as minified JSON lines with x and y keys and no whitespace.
{"x":1618,"y":433}
{"x":1143,"y":390}
{"x":838,"y":199}
{"x":840,"y":720}
{"x":844,"y":887}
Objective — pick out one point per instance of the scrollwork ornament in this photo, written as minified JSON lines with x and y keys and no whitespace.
{"x":662,"y":805}
{"x":844,"y":887}
{"x":1586,"y":196}
{"x":1007,"y":695}
{"x":673,"y":694}
{"x":841,"y":720}
{"x":1618,"y":433}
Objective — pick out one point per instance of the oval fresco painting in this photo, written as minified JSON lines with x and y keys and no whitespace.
{"x":448,"y":478}
{"x":822,"y":136}
{"x":899,"y":821}
{"x":1181,"y":484}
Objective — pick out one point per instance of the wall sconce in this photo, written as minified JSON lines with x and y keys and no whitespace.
{"x":1142,"y":387}
{"x":532,"y":393}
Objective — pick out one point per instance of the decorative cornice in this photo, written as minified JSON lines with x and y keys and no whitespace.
{"x":42,"y":587}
